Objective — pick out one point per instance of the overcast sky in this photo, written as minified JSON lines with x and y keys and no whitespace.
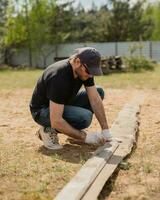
{"x":88,"y":3}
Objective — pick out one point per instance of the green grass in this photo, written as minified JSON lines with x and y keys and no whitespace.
{"x":20,"y":79}
{"x":141,"y":80}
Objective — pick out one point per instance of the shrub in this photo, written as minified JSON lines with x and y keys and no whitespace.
{"x":138,"y":63}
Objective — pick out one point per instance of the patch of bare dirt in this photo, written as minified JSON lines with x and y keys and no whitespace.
{"x":28,"y":170}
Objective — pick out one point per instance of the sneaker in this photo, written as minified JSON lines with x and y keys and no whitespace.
{"x":50,"y":139}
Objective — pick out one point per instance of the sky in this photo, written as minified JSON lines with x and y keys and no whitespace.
{"x":88,"y":3}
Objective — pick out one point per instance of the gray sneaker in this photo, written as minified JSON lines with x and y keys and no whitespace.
{"x":49,"y":138}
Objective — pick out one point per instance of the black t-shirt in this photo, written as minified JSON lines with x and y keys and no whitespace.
{"x":57,"y":84}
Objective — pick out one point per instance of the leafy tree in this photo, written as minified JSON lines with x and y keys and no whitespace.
{"x":3,"y":9}
{"x":89,"y":26}
{"x":31,"y":27}
{"x":139,"y":27}
{"x":103,"y":17}
{"x":127,"y":23}
{"x":118,"y":26}
{"x":40,"y":33}
{"x":152,"y":12}
{"x":16,"y":30}
{"x":61,"y":23}
{"x":3,"y":16}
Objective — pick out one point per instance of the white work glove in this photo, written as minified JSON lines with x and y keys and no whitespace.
{"x":107,"y":135}
{"x":94,"y":138}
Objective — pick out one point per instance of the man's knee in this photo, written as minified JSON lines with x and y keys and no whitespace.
{"x":83,"y":119}
{"x":101,"y":92}
{"x":86,"y":119}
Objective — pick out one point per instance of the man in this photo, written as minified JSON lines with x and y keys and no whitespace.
{"x":58,"y":105}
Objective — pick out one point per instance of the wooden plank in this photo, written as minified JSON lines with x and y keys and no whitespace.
{"x":76,"y":188}
{"x":89,"y":181}
{"x":125,"y":127}
{"x":104,"y":175}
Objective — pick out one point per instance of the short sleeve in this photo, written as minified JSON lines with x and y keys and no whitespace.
{"x":89,"y":82}
{"x":56,"y":92}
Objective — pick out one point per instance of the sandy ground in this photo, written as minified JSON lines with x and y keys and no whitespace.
{"x":29,"y":171}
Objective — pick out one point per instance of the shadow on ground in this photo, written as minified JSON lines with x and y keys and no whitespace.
{"x":72,"y":153}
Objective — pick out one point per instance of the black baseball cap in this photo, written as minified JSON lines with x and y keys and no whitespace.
{"x":92,"y":58}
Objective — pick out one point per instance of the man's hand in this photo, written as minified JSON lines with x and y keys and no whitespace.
{"x":94,"y":138}
{"x":107,"y":135}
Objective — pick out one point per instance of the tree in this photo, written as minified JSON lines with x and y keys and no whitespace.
{"x":152,"y":13}
{"x":140,"y":28}
{"x":102,"y":23}
{"x":16,"y":34}
{"x":127,"y":23}
{"x":118,"y":26}
{"x":61,"y":23}
{"x":3,"y":9}
{"x":17,"y":29}
{"x":3,"y":16}
{"x":89,"y":26}
{"x":40,"y":33}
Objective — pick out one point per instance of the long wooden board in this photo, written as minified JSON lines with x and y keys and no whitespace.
{"x":90,"y":179}
{"x":76,"y":188}
{"x":125,"y":127}
{"x":104,"y":175}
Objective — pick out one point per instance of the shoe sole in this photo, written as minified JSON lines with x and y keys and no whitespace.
{"x":58,"y":148}
{"x":38,"y":135}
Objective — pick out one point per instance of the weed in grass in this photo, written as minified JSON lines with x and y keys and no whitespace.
{"x":147,"y":168}
{"x":124,"y":165}
{"x":60,"y":168}
{"x":56,"y":157}
{"x":42,"y":187}
{"x":82,"y":159}
{"x":35,"y":196}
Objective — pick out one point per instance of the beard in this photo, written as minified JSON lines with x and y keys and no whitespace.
{"x":80,"y":76}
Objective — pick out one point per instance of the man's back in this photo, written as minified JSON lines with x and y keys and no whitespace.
{"x":57,"y":84}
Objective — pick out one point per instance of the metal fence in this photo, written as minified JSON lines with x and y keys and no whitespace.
{"x":1,"y":58}
{"x":149,"y":49}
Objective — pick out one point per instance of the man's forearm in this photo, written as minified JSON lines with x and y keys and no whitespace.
{"x":67,"y":129}
{"x":98,"y":109}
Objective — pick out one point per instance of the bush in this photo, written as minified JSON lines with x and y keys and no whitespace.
{"x":138,"y":63}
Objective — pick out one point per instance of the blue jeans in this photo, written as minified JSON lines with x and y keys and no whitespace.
{"x":78,"y":113}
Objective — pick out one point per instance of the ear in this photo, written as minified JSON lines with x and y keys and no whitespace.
{"x":77,"y":62}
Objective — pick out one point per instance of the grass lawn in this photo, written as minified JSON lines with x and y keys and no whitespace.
{"x":141,"y":80}
{"x":19,"y":79}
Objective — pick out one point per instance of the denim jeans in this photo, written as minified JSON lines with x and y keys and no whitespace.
{"x":78,"y":113}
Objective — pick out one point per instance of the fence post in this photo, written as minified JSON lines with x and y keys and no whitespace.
{"x":116,"y":48}
{"x":150,"y":49}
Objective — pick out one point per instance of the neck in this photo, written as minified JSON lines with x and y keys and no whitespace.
{"x":71,"y":61}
